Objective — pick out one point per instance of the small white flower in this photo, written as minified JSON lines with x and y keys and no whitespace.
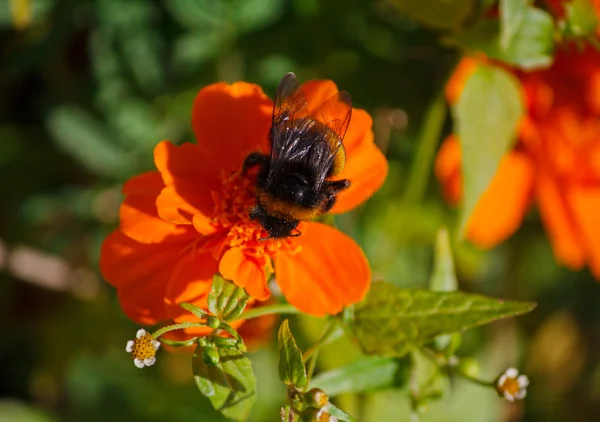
{"x":143,"y":349}
{"x":511,"y":385}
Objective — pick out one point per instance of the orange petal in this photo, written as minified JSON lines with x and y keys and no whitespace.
{"x":585,"y":203}
{"x":503,"y":205}
{"x":457,"y":81}
{"x":148,"y":183}
{"x":447,"y":169}
{"x":138,"y":217}
{"x":318,"y":91}
{"x":366,"y":169}
{"x":560,"y":223}
{"x":190,"y":282}
{"x":230,"y":121}
{"x":329,"y":272}
{"x":180,"y":207}
{"x":245,"y":271}
{"x":140,"y":272}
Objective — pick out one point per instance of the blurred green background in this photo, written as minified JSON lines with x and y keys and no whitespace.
{"x":88,"y":87}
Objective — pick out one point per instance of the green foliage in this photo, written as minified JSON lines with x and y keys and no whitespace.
{"x":512,"y":17}
{"x":230,"y":384}
{"x":486,"y":117}
{"x":443,"y":278}
{"x":226,"y":300}
{"x":439,"y":14}
{"x":581,"y":18}
{"x":392,"y":321}
{"x":366,"y":374}
{"x":338,"y":413}
{"x":526,"y":43}
{"x":291,"y":365}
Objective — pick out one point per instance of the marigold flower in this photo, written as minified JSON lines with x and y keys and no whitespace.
{"x":511,"y":385}
{"x":183,"y":223}
{"x":556,"y":162}
{"x":143,"y":349}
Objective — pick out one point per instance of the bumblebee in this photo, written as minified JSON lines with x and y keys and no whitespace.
{"x":295,"y":182}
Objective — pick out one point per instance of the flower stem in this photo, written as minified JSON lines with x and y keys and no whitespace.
{"x":173,"y":327}
{"x":332,"y":332}
{"x":268,"y":310}
{"x":428,"y":140}
{"x":453,"y":367}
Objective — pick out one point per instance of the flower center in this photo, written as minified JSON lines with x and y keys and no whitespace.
{"x":143,"y":347}
{"x":232,"y":204}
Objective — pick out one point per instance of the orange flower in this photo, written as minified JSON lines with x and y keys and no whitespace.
{"x":188,"y":220}
{"x":556,"y":162}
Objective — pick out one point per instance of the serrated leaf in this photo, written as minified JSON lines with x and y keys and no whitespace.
{"x":392,"y":321}
{"x":443,"y":278}
{"x":291,"y":365}
{"x":530,"y":48}
{"x":230,"y":385}
{"x":365,"y":374}
{"x":226,"y":300}
{"x":486,"y":118}
{"x":512,"y":16}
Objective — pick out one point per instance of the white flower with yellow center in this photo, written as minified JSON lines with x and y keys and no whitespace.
{"x":143,"y":349}
{"x":511,"y":385}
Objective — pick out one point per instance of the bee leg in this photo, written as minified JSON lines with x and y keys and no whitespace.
{"x":338,"y":185}
{"x":329,"y":203}
{"x":254,"y":159}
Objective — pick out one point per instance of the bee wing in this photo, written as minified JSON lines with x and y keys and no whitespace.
{"x":289,"y":112}
{"x":335,"y":114}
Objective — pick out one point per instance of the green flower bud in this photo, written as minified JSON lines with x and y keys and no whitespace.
{"x":202,"y":341}
{"x":210,"y":355}
{"x":315,"y":398}
{"x":213,"y":322}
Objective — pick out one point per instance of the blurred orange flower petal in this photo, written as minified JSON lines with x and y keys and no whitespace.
{"x":500,"y":210}
{"x":559,"y":223}
{"x":329,"y":272}
{"x":230,"y":121}
{"x":447,"y":169}
{"x":585,"y":202}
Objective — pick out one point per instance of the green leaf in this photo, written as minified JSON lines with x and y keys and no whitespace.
{"x":365,"y":374}
{"x":230,"y":385}
{"x":86,"y":139}
{"x":226,"y":300}
{"x":581,"y":17}
{"x":291,"y":365}
{"x":199,"y":312}
{"x":438,"y":14}
{"x":443,"y":278}
{"x":486,"y":118}
{"x":338,"y":413}
{"x":530,"y":48}
{"x":392,"y":321}
{"x":512,"y":16}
